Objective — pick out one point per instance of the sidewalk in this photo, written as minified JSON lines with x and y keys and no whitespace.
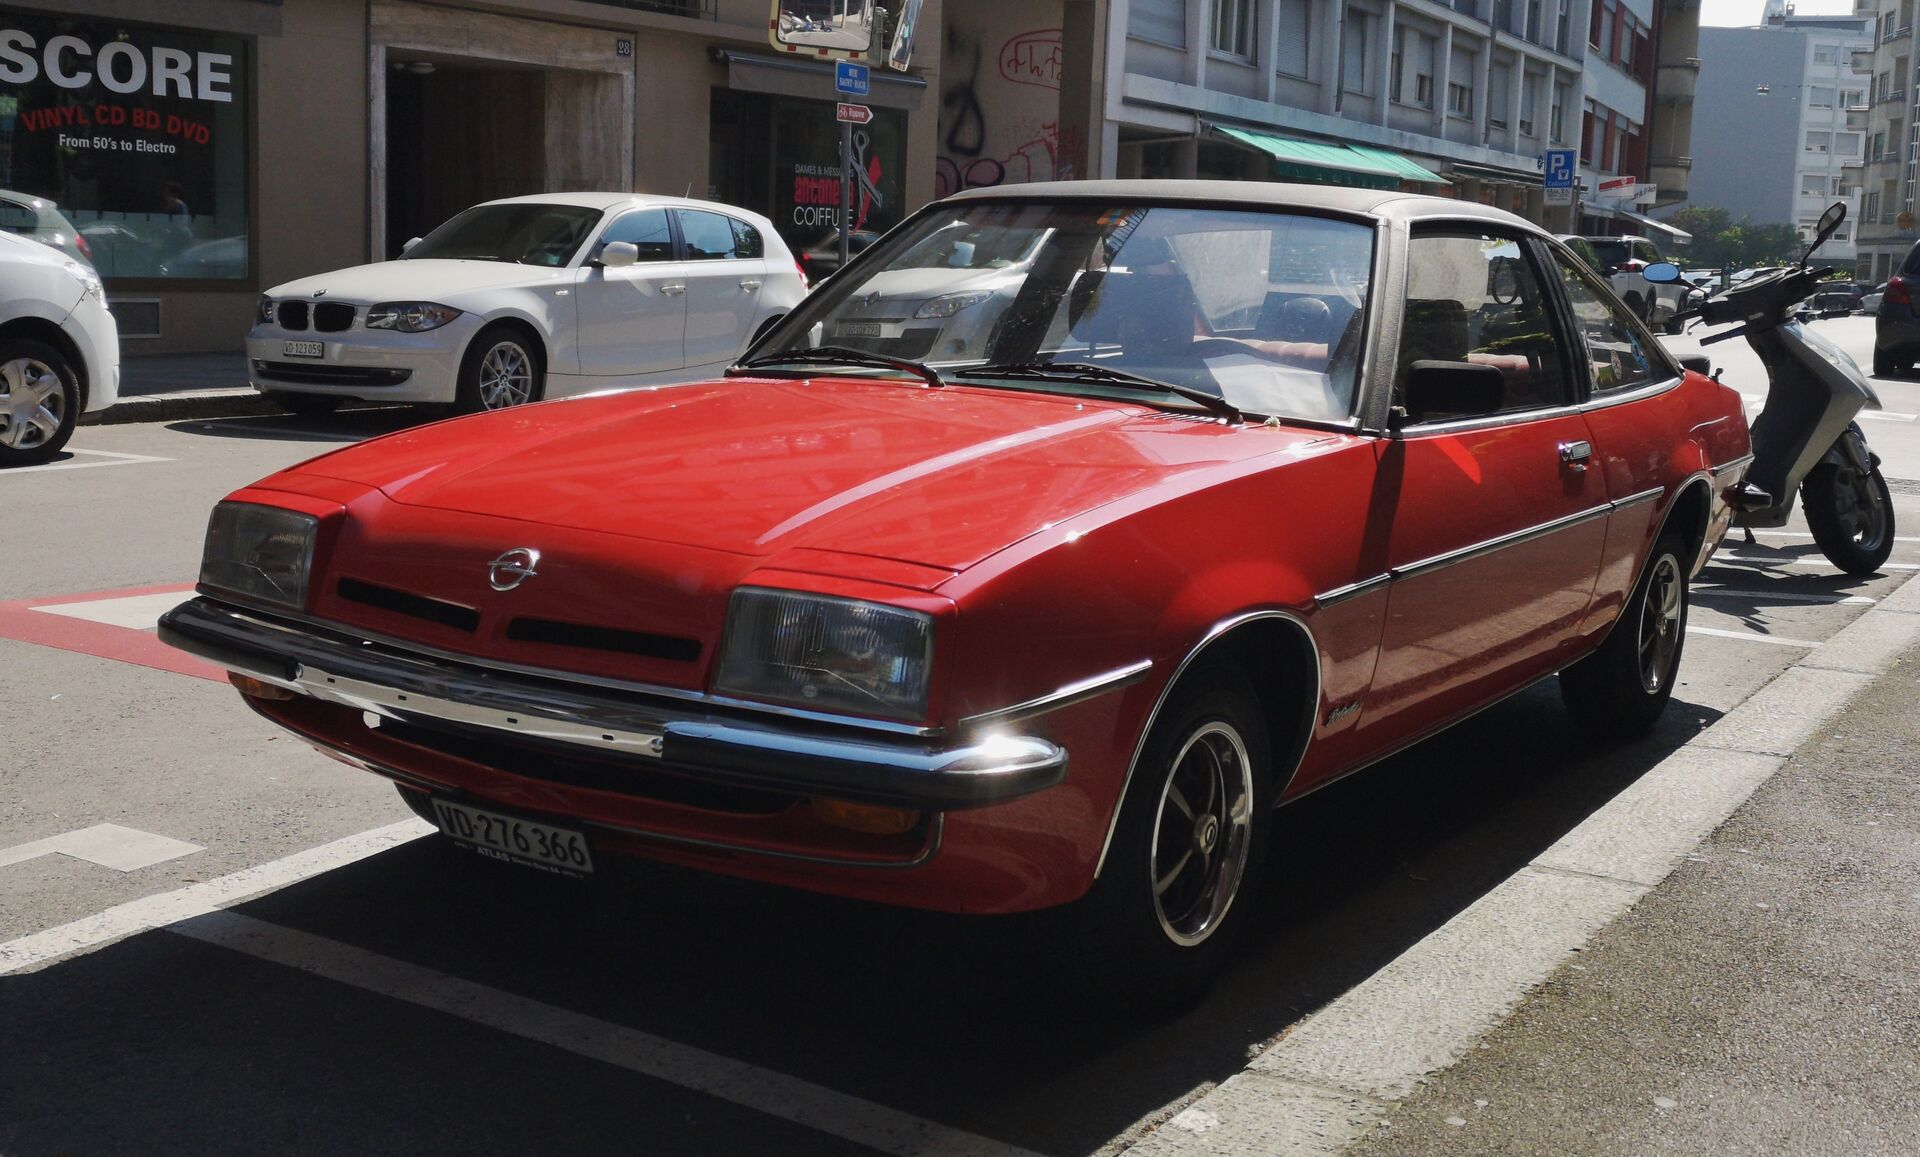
{"x":1765,"y":998}
{"x":182,"y":387}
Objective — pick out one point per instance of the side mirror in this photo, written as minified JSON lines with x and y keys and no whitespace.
{"x":618,"y":254}
{"x":1661,"y":272}
{"x":1698,"y":363}
{"x":1463,"y":389}
{"x":410,"y":243}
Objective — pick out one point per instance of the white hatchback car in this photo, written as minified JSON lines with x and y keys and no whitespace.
{"x":527,"y":298}
{"x":59,"y":349}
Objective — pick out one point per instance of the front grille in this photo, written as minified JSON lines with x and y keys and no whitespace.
{"x":402,"y":603}
{"x":332,"y":317}
{"x":562,"y":764}
{"x":912,"y":344}
{"x":322,"y":374}
{"x":293,"y":315}
{"x":560,"y":634}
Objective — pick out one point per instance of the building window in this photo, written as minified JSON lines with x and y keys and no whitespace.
{"x":1296,"y":33}
{"x":1817,"y":142}
{"x":1499,"y":95}
{"x":1852,"y":98}
{"x":1459,"y":100}
{"x":1159,"y":21}
{"x":1423,"y":90}
{"x":1813,"y":185}
{"x":1819,"y":97}
{"x":1561,"y":25}
{"x":1233,"y":27}
{"x":1556,"y":116}
{"x":1353,"y":52}
{"x":139,"y":134}
{"x":1846,"y":144}
{"x":1393,"y":77}
{"x":1527,"y":84}
{"x":1823,"y":54}
{"x":1533,"y":21}
{"x":1869,"y":206}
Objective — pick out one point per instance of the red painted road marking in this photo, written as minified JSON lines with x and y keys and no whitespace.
{"x":21,"y":621}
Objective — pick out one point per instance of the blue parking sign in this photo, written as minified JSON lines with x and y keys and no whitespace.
{"x":1560,"y":170}
{"x":850,"y":79}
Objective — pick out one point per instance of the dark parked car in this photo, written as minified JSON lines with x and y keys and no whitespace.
{"x":1834,"y":296}
{"x":1896,"y":329}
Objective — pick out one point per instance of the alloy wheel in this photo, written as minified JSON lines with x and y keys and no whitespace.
{"x":1201,"y":833}
{"x":1660,"y":625}
{"x":33,"y":404}
{"x":506,"y":377}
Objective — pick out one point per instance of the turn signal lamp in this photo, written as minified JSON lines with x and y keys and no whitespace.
{"x":861,"y":817}
{"x":255,"y":689}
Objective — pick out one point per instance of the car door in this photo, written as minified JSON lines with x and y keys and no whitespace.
{"x":725,"y":270}
{"x":1630,"y":417}
{"x":632,"y":320}
{"x":1495,"y":522}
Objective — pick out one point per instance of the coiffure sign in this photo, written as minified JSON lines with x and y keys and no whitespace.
{"x":118,"y":66}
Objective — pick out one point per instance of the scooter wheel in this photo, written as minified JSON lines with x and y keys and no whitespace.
{"x":1851,"y":516}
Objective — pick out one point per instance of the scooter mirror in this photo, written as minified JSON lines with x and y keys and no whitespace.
{"x":1830,"y":220}
{"x":1661,"y":272}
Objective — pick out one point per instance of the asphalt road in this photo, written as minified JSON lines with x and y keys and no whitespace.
{"x":418,"y":998}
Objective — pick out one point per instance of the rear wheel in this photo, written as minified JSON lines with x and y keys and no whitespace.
{"x":1851,"y":516}
{"x":39,"y":401}
{"x":305,"y":405}
{"x":1884,"y":365}
{"x":1620,"y":689}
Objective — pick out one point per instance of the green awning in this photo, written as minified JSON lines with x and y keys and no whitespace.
{"x":1341,"y":163}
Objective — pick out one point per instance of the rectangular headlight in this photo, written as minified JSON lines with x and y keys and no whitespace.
{"x":826,"y":654}
{"x":262,"y":552}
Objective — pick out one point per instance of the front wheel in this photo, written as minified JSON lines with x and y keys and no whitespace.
{"x":1621,"y":689}
{"x":503,"y":368}
{"x":39,"y":401}
{"x":1173,"y":895}
{"x":1850,"y":513}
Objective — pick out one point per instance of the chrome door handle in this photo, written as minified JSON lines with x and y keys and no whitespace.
{"x":673,"y":290}
{"x":1574,"y":455}
{"x":750,"y":283}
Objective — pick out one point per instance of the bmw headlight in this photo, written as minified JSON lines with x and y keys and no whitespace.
{"x":827,"y":654}
{"x":261,"y":552}
{"x":410,"y":316}
{"x":263,"y":311}
{"x":950,"y":304}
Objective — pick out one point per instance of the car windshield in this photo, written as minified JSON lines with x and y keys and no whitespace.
{"x":1610,"y":253}
{"x":531,"y":234}
{"x":1263,"y":310}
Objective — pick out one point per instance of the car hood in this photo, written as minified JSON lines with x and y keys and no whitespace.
{"x":896,"y":285}
{"x":758,"y":467}
{"x":424,"y":280}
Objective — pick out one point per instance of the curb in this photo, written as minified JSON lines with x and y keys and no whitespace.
{"x":1337,"y":1072}
{"x":186,"y":405}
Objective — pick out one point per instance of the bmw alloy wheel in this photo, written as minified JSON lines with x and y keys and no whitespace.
{"x":506,"y":376}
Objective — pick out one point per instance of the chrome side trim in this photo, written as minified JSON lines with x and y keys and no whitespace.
{"x":1067,"y":696}
{"x":1140,"y":745}
{"x":1338,"y":595}
{"x":1481,"y":549}
{"x":1638,"y":393}
{"x":1636,"y":499}
{"x":1731,"y":466}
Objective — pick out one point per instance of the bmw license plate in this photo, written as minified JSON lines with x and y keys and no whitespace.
{"x":523,"y":841}
{"x":304,"y":349}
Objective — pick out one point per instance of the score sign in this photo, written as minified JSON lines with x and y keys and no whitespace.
{"x":852,"y":114}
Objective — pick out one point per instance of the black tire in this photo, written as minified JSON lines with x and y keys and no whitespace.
{"x":1124,"y":941}
{"x":39,"y":401}
{"x":517,"y":377}
{"x":1620,"y":690}
{"x":305,"y":405}
{"x":1850,"y":515}
{"x":1884,"y":364}
{"x":1674,"y":327}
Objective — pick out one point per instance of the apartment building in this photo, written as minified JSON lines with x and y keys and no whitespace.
{"x":1886,"y":173}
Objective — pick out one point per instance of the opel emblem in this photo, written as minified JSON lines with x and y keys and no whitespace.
{"x":512,"y":568}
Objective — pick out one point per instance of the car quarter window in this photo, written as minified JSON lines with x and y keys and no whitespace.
{"x":746,"y":240}
{"x":709,"y":236}
{"x":17,"y":218}
{"x":1620,"y":351}
{"x":647,"y":230}
{"x":1478,"y":298}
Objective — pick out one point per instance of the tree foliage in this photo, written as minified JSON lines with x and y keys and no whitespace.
{"x":1720,"y":240}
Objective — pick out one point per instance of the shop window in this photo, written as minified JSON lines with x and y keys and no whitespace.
{"x":138,"y":134}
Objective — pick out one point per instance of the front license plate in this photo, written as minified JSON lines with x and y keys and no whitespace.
{"x":523,"y":841}
{"x":858,"y":329}
{"x":304,"y":349}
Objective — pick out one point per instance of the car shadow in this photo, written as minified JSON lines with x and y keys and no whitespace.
{"x":968,"y":1022}
{"x":342,"y":426}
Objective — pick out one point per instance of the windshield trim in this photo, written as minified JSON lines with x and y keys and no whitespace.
{"x":596,"y":225}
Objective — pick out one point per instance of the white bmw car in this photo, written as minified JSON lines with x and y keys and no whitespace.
{"x":59,"y":349}
{"x":527,"y":298}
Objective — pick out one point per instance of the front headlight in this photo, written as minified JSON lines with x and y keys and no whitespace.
{"x":951,"y":304}
{"x":825,"y":653}
{"x":263,"y":310}
{"x":410,"y":316}
{"x":262,"y":552}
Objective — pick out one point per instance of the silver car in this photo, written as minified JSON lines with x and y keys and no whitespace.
{"x":26,"y":215}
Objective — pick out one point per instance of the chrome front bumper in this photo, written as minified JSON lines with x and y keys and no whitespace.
{"x":657,"y":729}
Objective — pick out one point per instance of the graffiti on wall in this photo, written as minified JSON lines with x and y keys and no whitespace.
{"x":985,"y":138}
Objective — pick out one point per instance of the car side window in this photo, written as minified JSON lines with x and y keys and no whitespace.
{"x":648,"y":231}
{"x":746,"y":240}
{"x":1478,"y":298}
{"x":1619,"y":349}
{"x":709,"y":236}
{"x":18,"y":218}
{"x":1644,"y":251}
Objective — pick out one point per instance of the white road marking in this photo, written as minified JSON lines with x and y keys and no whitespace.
{"x":137,"y":612}
{"x":1885,"y":416}
{"x":1760,"y":560}
{"x":108,"y":845}
{"x":762,"y":1090}
{"x":157,"y":911}
{"x":1750,"y":637}
{"x":1810,"y":598}
{"x":1809,"y":537}
{"x":112,"y":460}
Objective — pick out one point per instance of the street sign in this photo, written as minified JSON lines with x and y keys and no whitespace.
{"x":1559,"y":196}
{"x":852,"y":114}
{"x":1560,"y":171}
{"x":851,"y":79}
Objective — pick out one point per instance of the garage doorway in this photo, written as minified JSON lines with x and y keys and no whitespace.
{"x":457,"y":135}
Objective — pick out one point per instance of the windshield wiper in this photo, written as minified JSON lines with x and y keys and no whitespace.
{"x":1089,"y":372}
{"x":844,"y":355}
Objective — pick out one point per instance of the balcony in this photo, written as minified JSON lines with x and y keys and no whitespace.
{"x":1893,"y":96}
{"x":1857,"y":119}
{"x":1675,"y":82}
{"x":1893,"y":34}
{"x":1863,"y":63}
{"x":1670,"y":174}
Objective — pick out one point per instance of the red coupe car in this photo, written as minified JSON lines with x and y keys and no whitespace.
{"x":1247,"y":487}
